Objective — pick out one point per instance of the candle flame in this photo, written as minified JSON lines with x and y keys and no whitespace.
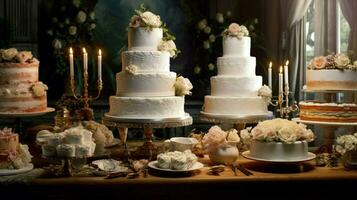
{"x":270,"y":65}
{"x":70,"y":50}
{"x":287,"y":63}
{"x":100,"y":52}
{"x":84,"y":50}
{"x":281,"y":69}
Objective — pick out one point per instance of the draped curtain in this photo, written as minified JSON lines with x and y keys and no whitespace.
{"x":293,"y":41}
{"x":349,"y":10}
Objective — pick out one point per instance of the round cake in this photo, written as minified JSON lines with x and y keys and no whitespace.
{"x":332,"y":79}
{"x":20,"y":90}
{"x":277,"y":151}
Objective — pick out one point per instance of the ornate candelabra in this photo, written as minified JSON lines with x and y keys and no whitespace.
{"x":85,"y":97}
{"x":281,"y":102}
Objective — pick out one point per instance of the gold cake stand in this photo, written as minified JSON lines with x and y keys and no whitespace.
{"x":148,"y":149}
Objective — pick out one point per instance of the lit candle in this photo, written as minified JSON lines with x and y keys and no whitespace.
{"x":281,"y":80}
{"x":85,"y":61}
{"x":100,"y":65}
{"x":71,"y":66}
{"x":286,"y":73}
{"x":270,"y":75}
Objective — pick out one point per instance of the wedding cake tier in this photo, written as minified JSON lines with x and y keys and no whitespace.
{"x":146,"y":88}
{"x":20,"y":90}
{"x":332,"y":72}
{"x":235,"y":90}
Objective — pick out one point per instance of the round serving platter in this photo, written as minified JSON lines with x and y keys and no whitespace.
{"x":196,"y":166}
{"x":310,"y":156}
{"x":26,"y":114}
{"x":6,"y":172}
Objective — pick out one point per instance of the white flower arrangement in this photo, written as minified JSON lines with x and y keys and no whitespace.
{"x":346,"y":143}
{"x":217,"y":137}
{"x":333,"y":61}
{"x":39,"y":89}
{"x":277,"y":130}
{"x":131,"y":69}
{"x":182,"y":86}
{"x":235,"y":30}
{"x":266,"y":93}
{"x":168,"y":46}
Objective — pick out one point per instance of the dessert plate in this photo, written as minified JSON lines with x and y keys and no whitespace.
{"x":5,"y":172}
{"x":26,"y":114}
{"x":196,"y":166}
{"x":309,"y":156}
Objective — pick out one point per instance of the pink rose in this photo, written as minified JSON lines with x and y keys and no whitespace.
{"x":135,"y":21}
{"x":319,"y":62}
{"x":234,"y":29}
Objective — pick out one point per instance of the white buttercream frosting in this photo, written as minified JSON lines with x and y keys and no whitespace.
{"x":143,"y":39}
{"x":233,"y":46}
{"x":236,"y":66}
{"x":235,"y":86}
{"x":147,"y":61}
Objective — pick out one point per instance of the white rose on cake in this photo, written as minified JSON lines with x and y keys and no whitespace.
{"x":234,"y":30}
{"x":319,"y":62}
{"x":183,"y":86}
{"x":9,"y":54}
{"x":24,"y":56}
{"x":266,"y":93}
{"x":151,"y":19}
{"x":39,"y":89}
{"x":131,"y":69}
{"x":341,"y":61}
{"x":168,"y":46}
{"x":135,"y":21}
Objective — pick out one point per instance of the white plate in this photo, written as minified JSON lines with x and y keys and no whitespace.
{"x":309,"y":156}
{"x":196,"y":166}
{"x":115,"y":142}
{"x":5,"y":172}
{"x":230,"y":116}
{"x":26,"y":114}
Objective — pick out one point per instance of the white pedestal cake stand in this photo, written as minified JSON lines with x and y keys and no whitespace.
{"x":148,"y":150}
{"x":18,"y":117}
{"x":329,"y":129}
{"x":238,"y":121}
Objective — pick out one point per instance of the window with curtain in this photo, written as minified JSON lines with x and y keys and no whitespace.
{"x":327,"y":30}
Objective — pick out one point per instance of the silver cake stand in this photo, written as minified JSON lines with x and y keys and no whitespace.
{"x":329,"y":129}
{"x":238,"y":121}
{"x":148,"y":149}
{"x":18,"y":117}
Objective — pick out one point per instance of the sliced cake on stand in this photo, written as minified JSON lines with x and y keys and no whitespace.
{"x":237,"y":95}
{"x":148,"y":94}
{"x":330,"y":98}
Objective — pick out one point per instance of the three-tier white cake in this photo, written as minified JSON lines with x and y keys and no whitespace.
{"x":146,"y":88}
{"x":234,"y":91}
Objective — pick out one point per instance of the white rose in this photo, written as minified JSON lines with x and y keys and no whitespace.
{"x":168,"y":46}
{"x":341,"y":61}
{"x":92,"y":15}
{"x":309,"y":135}
{"x":286,"y":135}
{"x":229,"y":13}
{"x":219,"y":18}
{"x":72,"y":30}
{"x":9,"y":54}
{"x":233,"y":29}
{"x":39,"y":89}
{"x":197,"y":70}
{"x":131,"y":69}
{"x":151,"y":19}
{"x":93,"y":25}
{"x":61,"y":25}
{"x":340,"y":149}
{"x":77,"y":3}
{"x":50,"y":32}
{"x":66,"y":21}
{"x":207,"y":30}
{"x":182,"y":86}
{"x":81,"y":17}
{"x":244,"y":30}
{"x":202,"y":24}
{"x":54,"y":20}
{"x":232,"y":135}
{"x":57,"y":44}
{"x":246,"y":136}
{"x":24,"y":56}
{"x":212,"y":38}
{"x":266,"y":93}
{"x":211,"y":67}
{"x":206,"y":44}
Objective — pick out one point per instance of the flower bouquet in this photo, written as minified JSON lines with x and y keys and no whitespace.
{"x":346,"y":147}
{"x":333,"y":61}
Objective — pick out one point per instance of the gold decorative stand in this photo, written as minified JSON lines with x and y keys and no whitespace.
{"x":148,"y":149}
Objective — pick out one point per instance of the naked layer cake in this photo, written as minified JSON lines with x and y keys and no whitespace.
{"x":20,"y":90}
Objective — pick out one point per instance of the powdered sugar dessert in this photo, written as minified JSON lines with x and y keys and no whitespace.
{"x":278,"y":140}
{"x":234,"y":91}
{"x":145,"y":87}
{"x":176,"y":160}
{"x":13,"y":155}
{"x":20,"y":90}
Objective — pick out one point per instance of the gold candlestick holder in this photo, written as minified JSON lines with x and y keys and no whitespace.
{"x":281,"y":102}
{"x":86,"y":111}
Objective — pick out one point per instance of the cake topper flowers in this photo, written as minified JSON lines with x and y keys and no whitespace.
{"x":235,"y":30}
{"x":339,"y":61}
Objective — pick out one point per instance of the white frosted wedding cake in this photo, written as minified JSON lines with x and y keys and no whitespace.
{"x":234,"y":91}
{"x":145,"y":87}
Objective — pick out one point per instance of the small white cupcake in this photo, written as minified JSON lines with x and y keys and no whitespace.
{"x":191,"y":158}
{"x":179,"y":162}
{"x":73,"y":138}
{"x":55,"y":140}
{"x":164,"y":161}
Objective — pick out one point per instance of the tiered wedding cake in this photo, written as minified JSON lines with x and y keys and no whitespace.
{"x":235,"y":90}
{"x":20,"y":90}
{"x":146,"y":89}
